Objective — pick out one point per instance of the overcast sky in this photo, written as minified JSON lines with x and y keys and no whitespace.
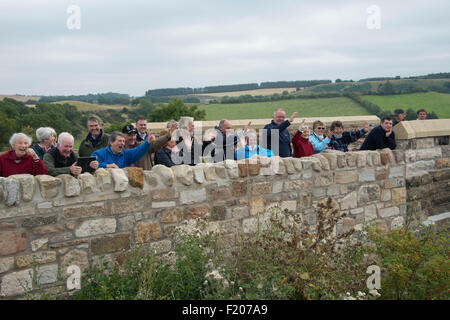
{"x":135,"y":45}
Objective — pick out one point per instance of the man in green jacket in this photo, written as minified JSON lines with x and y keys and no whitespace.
{"x":62,"y":159}
{"x":96,"y":139}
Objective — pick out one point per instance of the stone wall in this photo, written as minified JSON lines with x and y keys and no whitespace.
{"x":55,"y":222}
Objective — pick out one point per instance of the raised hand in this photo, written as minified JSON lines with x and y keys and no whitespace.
{"x":151,"y":137}
{"x":291,"y":119}
{"x":32,"y":153}
{"x":247,"y":127}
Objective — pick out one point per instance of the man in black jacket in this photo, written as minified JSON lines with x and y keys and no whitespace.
{"x":284,"y":140}
{"x":380,"y":137}
{"x":222,"y":141}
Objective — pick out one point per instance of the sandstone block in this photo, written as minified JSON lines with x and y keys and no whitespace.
{"x":127,"y":205}
{"x":27,"y":185}
{"x":263,"y":187}
{"x":199,"y":176}
{"x":396,"y":172}
{"x":370,"y":212}
{"x":90,"y":210}
{"x":332,"y":160}
{"x":71,"y":185}
{"x":297,"y":163}
{"x":250,"y":225}
{"x":165,"y":173}
{"x":163,"y":204}
{"x":423,"y":143}
{"x":385,"y":195}
{"x":76,"y":257}
{"x":277,"y":165}
{"x":95,"y":227}
{"x":349,"y":201}
{"x":218,"y":213}
{"x":289,"y":165}
{"x":172,"y":215}
{"x":386,"y":156}
{"x":256,"y":206}
{"x":367,"y":175}
{"x":191,"y":196}
{"x":361,"y":158}
{"x":47,"y":274}
{"x":146,"y":231}
{"x":48,"y":185}
{"x":398,"y":196}
{"x":109,"y":244}
{"x":199,"y":212}
{"x":399,"y":156}
{"x":150,"y":178}
{"x":103,"y":179}
{"x":221,"y":171}
{"x":341,"y":160}
{"x":11,"y":191}
{"x":323,"y":180}
{"x":18,"y":211}
{"x":277,"y":186}
{"x":345,"y":176}
{"x":12,"y":242}
{"x":351,"y":158}
{"x":240,"y":212}
{"x":232,"y":168}
{"x":163,"y":194}
{"x":16,"y":283}
{"x":297,"y":185}
{"x":119,"y":178}
{"x":220,"y":194}
{"x":443,"y":163}
{"x":209,"y":170}
{"x":39,"y":258}
{"x":162,"y":246}
{"x":369,"y":193}
{"x":239,"y":188}
{"x":184,"y":174}
{"x":381,"y":174}
{"x":289,"y":206}
{"x":56,"y":228}
{"x":325,"y":165}
{"x":243,"y":168}
{"x":389,"y":212}
{"x":135,"y":177}
{"x":346,"y":225}
{"x":39,"y":244}
{"x":39,"y":221}
{"x":6,"y":264}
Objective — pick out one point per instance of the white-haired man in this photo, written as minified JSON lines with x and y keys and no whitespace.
{"x":62,"y":159}
{"x":279,"y":125}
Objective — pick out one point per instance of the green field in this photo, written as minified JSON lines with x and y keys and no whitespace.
{"x":322,"y":107}
{"x":430,"y":101}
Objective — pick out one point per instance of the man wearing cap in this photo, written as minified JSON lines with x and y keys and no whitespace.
{"x":130,"y":134}
{"x":399,"y":115}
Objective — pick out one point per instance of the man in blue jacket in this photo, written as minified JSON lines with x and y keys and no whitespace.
{"x":380,"y":137}
{"x":284,"y":139}
{"x":115,"y":156}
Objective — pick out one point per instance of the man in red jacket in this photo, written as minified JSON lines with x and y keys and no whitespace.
{"x":21,"y":159}
{"x":300,"y":142}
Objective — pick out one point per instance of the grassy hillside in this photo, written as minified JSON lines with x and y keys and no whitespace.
{"x":430,"y":101}
{"x":305,"y":107}
{"x":402,"y":84}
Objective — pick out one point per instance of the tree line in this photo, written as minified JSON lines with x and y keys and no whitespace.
{"x":109,"y":98}
{"x":231,"y":88}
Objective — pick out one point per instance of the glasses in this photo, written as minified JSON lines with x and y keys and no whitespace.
{"x":321,"y":128}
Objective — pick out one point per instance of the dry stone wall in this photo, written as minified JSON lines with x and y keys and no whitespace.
{"x":57,"y":221}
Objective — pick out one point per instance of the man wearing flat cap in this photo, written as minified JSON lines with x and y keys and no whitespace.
{"x":399,"y":116}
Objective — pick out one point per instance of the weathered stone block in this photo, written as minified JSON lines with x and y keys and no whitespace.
{"x":239,"y":188}
{"x":192,"y":196}
{"x":119,"y":178}
{"x":172,"y":215}
{"x":324,"y":164}
{"x":135,"y":177}
{"x":345,"y":176}
{"x":146,"y":231}
{"x":199,"y":212}
{"x":127,"y":205}
{"x":385,"y":195}
{"x":220,"y":194}
{"x":162,"y":246}
{"x":332,"y":159}
{"x":443,"y":163}
{"x":289,"y":165}
{"x":109,"y":244}
{"x":56,"y":228}
{"x":199,"y":176}
{"x":18,"y":211}
{"x":256,"y":206}
{"x":221,"y":171}
{"x":349,"y":201}
{"x":150,"y":178}
{"x":346,"y":225}
{"x":103,"y":179}
{"x":367,"y":175}
{"x":6,"y":264}
{"x":95,"y":227}
{"x":240,"y":212}
{"x":261,"y":188}
{"x":389,"y":212}
{"x":47,"y":274}
{"x":27,"y":185}
{"x":163,"y":194}
{"x":398,"y":196}
{"x":289,"y":206}
{"x":369,"y":193}
{"x":277,"y":165}
{"x":75,"y":257}
{"x":12,"y":242}
{"x":39,"y":244}
{"x":16,"y":283}
{"x":243,"y":168}
{"x":341,"y":160}
{"x":386,"y":156}
{"x":422,"y":143}
{"x":370,"y":212}
{"x":396,"y":172}
{"x":39,"y":221}
{"x":323,"y":180}
{"x":39,"y":258}
{"x":361,"y":157}
{"x":218,"y":213}
{"x":94,"y":209}
{"x":165,"y":173}
{"x":71,"y":185}
{"x":163,"y":204}
{"x":381,"y":174}
{"x":399,"y":156}
{"x":296,"y":185}
{"x":350,"y":158}
{"x":232,"y":168}
{"x":48,"y":185}
{"x":11,"y":191}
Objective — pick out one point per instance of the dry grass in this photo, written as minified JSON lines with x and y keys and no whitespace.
{"x":85,"y":106}
{"x":19,"y":98}
{"x":259,"y":92}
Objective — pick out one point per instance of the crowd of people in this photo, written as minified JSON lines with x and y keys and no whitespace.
{"x":137,"y":146}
